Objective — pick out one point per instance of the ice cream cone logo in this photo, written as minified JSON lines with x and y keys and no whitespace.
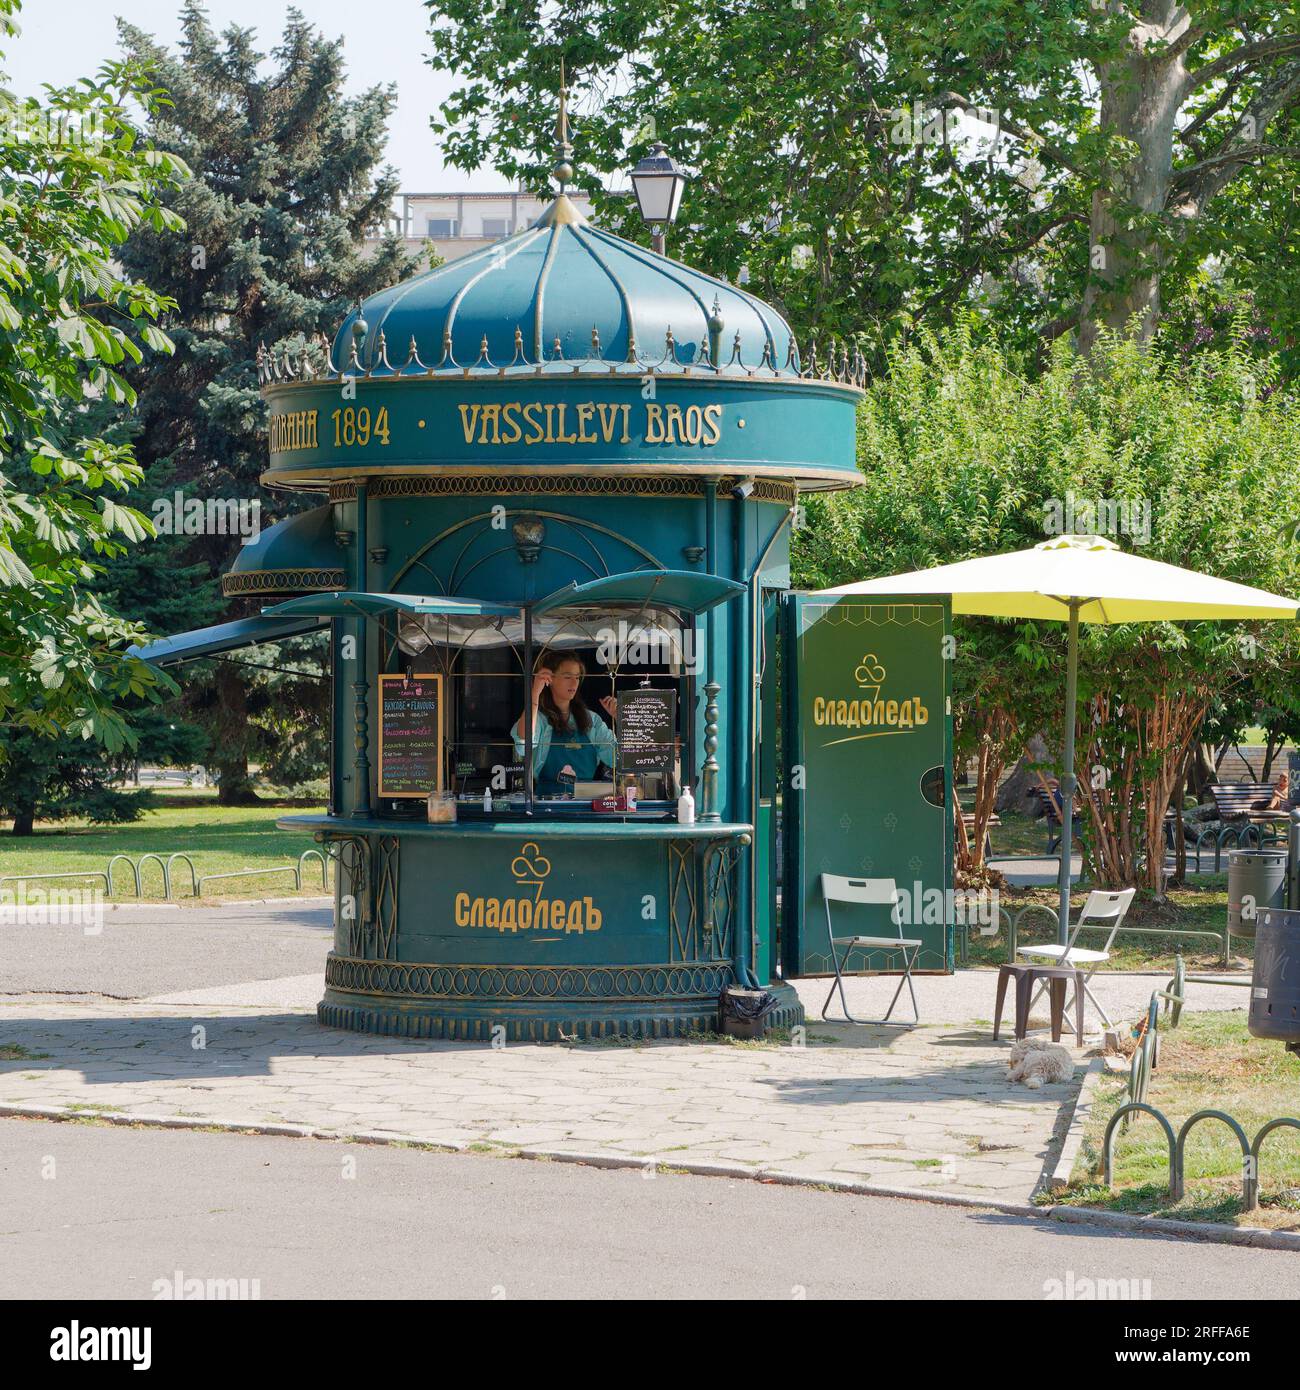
{"x":530,"y":867}
{"x":869,"y":675}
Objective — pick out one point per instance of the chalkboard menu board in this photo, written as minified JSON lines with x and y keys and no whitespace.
{"x":410,"y":735}
{"x":1293,"y":780}
{"x":647,"y":730}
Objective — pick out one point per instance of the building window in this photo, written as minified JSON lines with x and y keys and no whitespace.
{"x":496,"y":227}
{"x":442,"y":228}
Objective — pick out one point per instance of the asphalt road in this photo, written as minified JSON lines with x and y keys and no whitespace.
{"x":145,"y":951}
{"x":92,"y":1211}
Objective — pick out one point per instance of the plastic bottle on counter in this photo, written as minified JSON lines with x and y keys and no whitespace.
{"x":686,"y":808}
{"x":487,"y":798}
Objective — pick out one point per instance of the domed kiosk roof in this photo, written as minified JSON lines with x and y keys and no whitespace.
{"x":564,"y":289}
{"x":561,"y":349}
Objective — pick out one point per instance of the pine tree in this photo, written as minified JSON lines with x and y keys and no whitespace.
{"x":286,"y":184}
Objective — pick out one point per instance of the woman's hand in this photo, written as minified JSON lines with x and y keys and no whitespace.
{"x":540,"y":681}
{"x":610,"y":705}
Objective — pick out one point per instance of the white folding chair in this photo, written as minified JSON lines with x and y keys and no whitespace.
{"x":878,"y":892}
{"x":1100,"y":909}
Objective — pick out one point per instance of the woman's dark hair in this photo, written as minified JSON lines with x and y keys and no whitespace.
{"x":546,"y":704}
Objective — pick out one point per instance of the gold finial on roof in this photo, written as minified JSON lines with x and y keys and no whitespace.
{"x":563,"y":170}
{"x":562,"y":211}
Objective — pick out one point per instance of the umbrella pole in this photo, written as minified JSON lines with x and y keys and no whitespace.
{"x":1067,"y":772}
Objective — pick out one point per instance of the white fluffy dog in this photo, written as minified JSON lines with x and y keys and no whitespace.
{"x":1034,"y":1061}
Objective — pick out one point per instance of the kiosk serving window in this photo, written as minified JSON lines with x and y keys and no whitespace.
{"x":479,"y":660}
{"x":550,"y":705}
{"x":616,"y":688}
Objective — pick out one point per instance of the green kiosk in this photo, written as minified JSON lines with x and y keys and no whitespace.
{"x":557,"y":480}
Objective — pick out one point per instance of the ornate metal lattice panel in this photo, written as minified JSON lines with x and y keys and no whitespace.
{"x":671,"y":980}
{"x":499,"y":484}
{"x":386,"y":881}
{"x":283,"y":581}
{"x":465,"y":484}
{"x":683,"y":902}
{"x":352,"y":855}
{"x":720,"y":861}
{"x":701,"y":899}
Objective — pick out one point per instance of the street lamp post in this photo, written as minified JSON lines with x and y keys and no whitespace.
{"x":658,"y":181}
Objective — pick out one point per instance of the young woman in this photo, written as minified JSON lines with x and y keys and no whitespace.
{"x":569,"y":740}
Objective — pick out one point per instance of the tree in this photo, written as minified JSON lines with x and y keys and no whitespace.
{"x":78,"y":179}
{"x":967,"y":454}
{"x":879,"y":165}
{"x":285,"y":189}
{"x":1228,"y":272}
{"x":43,"y":778}
{"x":1266,"y":697}
{"x":1188,"y":94}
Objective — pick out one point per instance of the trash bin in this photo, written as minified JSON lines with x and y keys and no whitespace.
{"x":744,"y":1012}
{"x":1256,"y":880}
{"x":1275,"y":982}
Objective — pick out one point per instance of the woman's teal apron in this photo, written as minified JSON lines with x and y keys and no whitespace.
{"x":573,"y":748}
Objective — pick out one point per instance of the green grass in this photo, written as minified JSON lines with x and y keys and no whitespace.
{"x":1200,"y":906}
{"x":219,"y":839}
{"x":1209,"y":1062}
{"x":1019,"y":835}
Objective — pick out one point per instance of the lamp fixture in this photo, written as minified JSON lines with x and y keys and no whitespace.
{"x":658,"y":182}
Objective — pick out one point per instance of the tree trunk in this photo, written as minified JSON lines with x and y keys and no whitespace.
{"x":1200,"y":774}
{"x":995,"y":730}
{"x":234,"y":785}
{"x":1016,"y":794}
{"x":964,"y":861}
{"x":1180,"y":830}
{"x":1141,"y":93}
{"x":230,"y":758}
{"x":24,"y":820}
{"x":1127,"y":807}
{"x":1270,"y":752}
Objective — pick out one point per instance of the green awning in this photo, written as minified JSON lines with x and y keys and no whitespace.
{"x":350,"y":604}
{"x":298,"y":555}
{"x":682,"y":589}
{"x":224,"y":637}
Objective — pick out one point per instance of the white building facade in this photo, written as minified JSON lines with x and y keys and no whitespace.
{"x":458,"y":223}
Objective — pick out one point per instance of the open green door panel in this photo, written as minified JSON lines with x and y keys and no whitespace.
{"x":867,"y":772}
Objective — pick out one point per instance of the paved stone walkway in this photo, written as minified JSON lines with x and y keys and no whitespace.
{"x":928,"y":1108}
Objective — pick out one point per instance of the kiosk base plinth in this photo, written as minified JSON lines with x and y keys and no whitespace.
{"x":788,"y":1012}
{"x":648,"y":1001}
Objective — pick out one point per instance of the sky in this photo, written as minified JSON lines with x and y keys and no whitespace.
{"x":384,"y":41}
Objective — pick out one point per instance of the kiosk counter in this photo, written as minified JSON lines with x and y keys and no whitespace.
{"x":543,"y":928}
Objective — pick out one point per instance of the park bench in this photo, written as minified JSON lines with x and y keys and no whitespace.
{"x":1244,"y":801}
{"x":1049,"y":807}
{"x":1244,"y":818}
{"x":1248,"y":802}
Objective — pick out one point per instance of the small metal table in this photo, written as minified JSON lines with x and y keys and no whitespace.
{"x":1026,"y":976}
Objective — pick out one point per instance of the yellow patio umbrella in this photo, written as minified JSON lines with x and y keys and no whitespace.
{"x":1078,"y":579}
